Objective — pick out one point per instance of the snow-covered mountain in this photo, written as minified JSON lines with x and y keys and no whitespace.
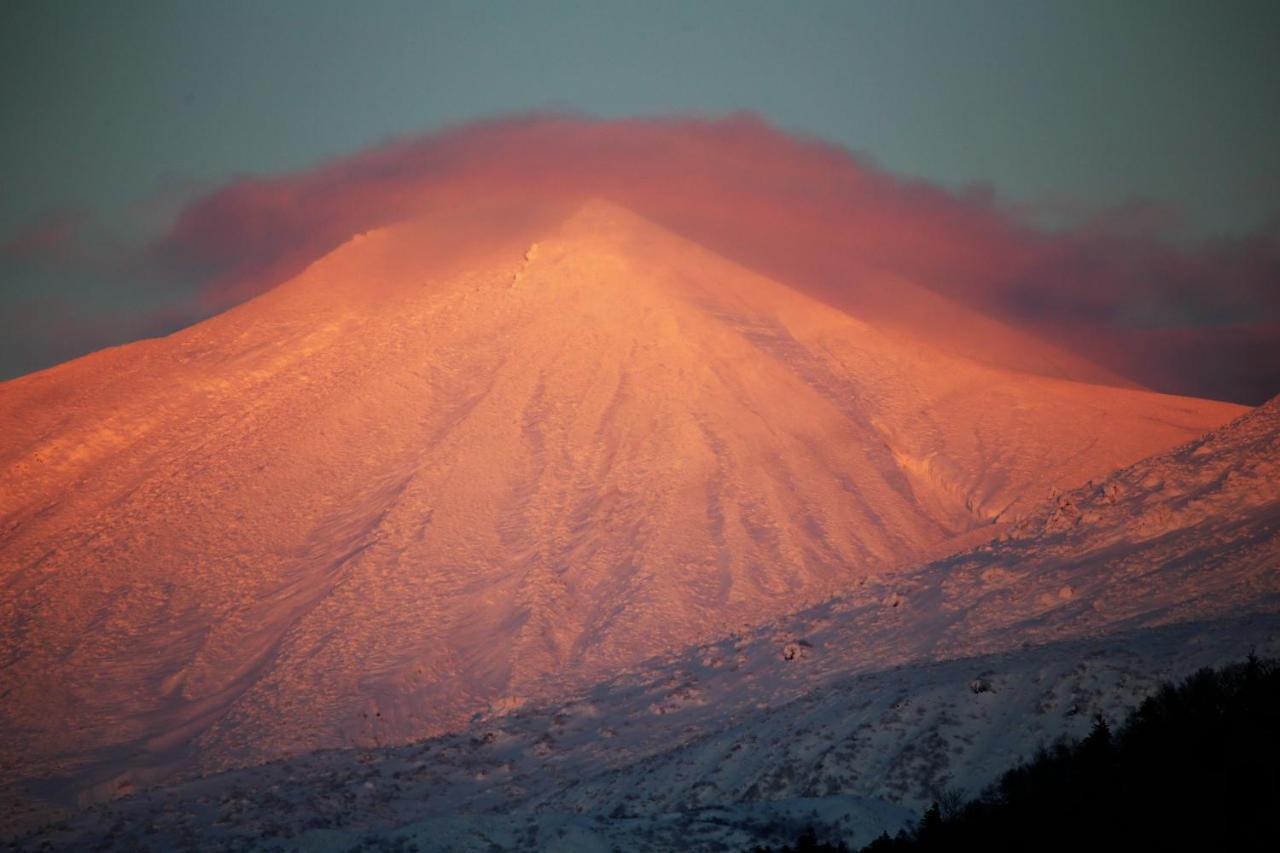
{"x":851,"y":715}
{"x":440,"y":474}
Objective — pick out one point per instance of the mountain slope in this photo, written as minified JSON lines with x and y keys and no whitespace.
{"x":428,"y":477}
{"x":853,"y":714}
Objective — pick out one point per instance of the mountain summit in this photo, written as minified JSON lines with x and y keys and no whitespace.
{"x":437,"y":473}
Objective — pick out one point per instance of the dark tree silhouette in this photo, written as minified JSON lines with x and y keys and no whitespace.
{"x":1196,"y":766}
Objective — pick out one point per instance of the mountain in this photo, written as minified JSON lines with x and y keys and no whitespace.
{"x":445,"y":471}
{"x":852,"y":715}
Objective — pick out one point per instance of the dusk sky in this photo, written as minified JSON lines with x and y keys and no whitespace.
{"x":121,"y":113}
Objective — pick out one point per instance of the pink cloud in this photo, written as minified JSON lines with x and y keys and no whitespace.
{"x":802,"y":210}
{"x":736,"y":181}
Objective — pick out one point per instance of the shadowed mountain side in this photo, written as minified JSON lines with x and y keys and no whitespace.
{"x":442,"y":471}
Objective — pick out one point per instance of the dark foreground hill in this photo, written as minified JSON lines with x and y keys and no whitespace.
{"x":1196,"y":766}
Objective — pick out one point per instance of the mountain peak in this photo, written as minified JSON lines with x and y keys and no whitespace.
{"x":598,"y":214}
{"x":443,"y":469}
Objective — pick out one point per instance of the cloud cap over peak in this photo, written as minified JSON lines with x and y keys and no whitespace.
{"x":1116,"y":290}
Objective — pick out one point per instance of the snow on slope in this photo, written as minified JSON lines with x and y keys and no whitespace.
{"x":637,"y":765}
{"x":419,"y":481}
{"x":853,"y":714}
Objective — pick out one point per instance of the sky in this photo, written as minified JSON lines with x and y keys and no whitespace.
{"x":121,"y":114}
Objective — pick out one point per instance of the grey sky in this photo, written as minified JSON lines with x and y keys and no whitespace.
{"x":1088,"y":102}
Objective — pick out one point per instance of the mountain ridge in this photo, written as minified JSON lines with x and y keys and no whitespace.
{"x":429,"y":476}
